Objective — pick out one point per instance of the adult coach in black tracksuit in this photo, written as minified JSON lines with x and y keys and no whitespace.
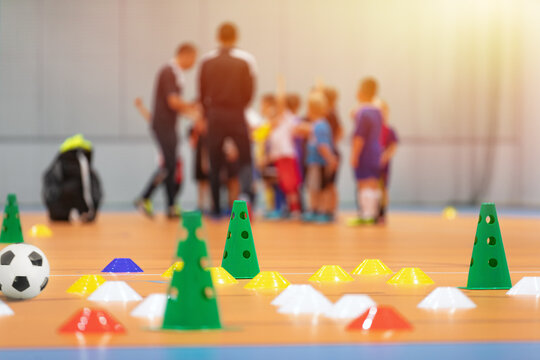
{"x":168,"y":103}
{"x":226,"y":86}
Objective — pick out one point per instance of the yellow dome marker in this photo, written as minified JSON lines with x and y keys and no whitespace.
{"x":177,"y":266}
{"x":372,"y":267}
{"x":267,"y":280}
{"x":86,"y":285}
{"x":410,"y":276}
{"x":331,"y":274}
{"x":40,"y":231}
{"x":220,"y":276}
{"x":450,"y":213}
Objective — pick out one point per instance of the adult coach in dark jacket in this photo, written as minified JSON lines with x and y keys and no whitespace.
{"x":226,"y":86}
{"x":168,"y":104}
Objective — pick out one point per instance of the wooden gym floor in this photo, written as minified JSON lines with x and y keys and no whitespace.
{"x":442,"y":248}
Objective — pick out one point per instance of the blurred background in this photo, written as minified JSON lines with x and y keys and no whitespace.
{"x":462,"y":80}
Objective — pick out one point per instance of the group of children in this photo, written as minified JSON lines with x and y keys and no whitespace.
{"x":297,"y":157}
{"x":300,"y":154}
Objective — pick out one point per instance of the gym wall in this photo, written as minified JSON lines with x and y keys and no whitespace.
{"x":461,"y":79}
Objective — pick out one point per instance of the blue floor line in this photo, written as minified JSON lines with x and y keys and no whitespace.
{"x":439,"y":351}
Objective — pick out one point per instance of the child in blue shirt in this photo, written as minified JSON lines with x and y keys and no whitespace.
{"x":321,"y":161}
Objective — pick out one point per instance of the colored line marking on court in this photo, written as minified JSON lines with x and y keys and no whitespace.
{"x":440,"y":351}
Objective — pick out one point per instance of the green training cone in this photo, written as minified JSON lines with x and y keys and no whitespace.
{"x":240,"y":257}
{"x":191,"y":303}
{"x":11,"y":226}
{"x":488,"y":269}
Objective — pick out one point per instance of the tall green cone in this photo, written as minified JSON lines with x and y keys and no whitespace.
{"x":11,"y":226}
{"x":488,"y":269}
{"x":240,"y":257}
{"x":191,"y":303}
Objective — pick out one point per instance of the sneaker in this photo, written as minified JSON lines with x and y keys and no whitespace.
{"x":145,"y":206}
{"x":286,"y":214}
{"x":295,"y":215}
{"x":371,"y":221}
{"x":323,"y":219}
{"x":273,"y":215}
{"x":358,"y":221}
{"x":174,"y":212}
{"x":309,"y":216}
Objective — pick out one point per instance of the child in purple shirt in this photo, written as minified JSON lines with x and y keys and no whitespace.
{"x":366,"y":153}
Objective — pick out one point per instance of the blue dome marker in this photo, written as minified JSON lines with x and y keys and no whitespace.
{"x":122,"y":265}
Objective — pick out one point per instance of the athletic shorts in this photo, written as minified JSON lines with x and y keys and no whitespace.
{"x":318,"y":178}
{"x":366,"y":171}
{"x":288,"y":174}
{"x":269,"y":172}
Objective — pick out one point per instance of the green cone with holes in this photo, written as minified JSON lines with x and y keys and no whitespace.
{"x":11,"y":225}
{"x":240,"y":257}
{"x":488,"y":268}
{"x":191,"y":303}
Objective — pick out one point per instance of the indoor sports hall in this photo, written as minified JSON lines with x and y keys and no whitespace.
{"x":269,"y":179}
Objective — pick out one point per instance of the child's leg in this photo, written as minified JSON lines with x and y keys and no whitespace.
{"x":358,"y":199}
{"x":289,"y":181}
{"x":314,"y":200}
{"x":329,"y":193}
{"x":384,"y":203}
{"x":325,"y":202}
{"x":293,"y":201}
{"x":314,"y":186}
{"x":279,"y":197}
{"x":384,"y":199}
{"x":269,"y":195}
{"x":369,"y":198}
{"x":333,"y":198}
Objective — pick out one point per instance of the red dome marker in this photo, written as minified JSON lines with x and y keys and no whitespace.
{"x":92,"y":321}
{"x":380,"y":318}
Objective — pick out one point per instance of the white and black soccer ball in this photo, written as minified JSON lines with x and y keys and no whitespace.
{"x":24,"y":271}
